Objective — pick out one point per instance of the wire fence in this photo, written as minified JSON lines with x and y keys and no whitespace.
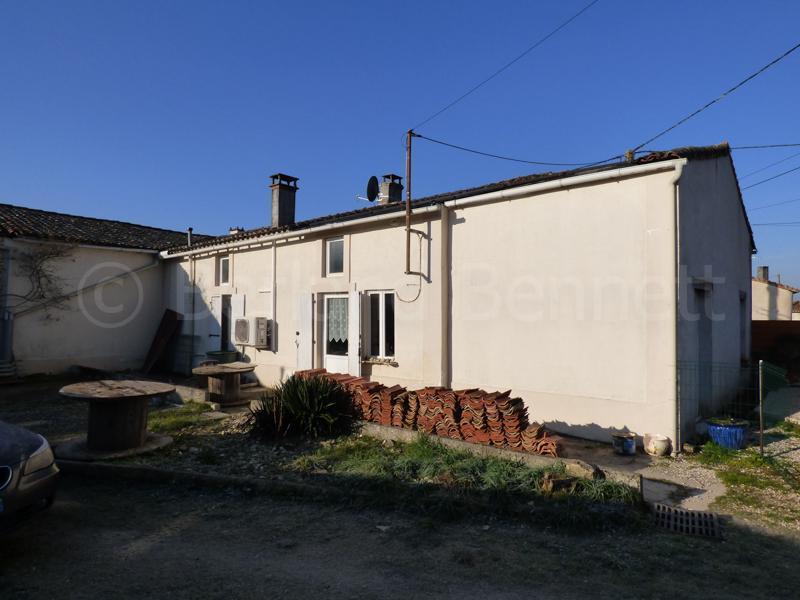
{"x":724,"y":390}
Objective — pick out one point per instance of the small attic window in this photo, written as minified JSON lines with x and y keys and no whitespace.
{"x":334,"y":256}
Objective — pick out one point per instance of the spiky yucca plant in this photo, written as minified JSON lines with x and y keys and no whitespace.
{"x":303,"y":407}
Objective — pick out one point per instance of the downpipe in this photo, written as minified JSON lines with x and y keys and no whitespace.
{"x":676,"y":240}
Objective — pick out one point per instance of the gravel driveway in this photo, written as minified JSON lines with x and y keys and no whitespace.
{"x":112,"y":540}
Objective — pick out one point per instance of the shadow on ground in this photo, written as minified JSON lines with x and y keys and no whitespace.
{"x":184,"y":542}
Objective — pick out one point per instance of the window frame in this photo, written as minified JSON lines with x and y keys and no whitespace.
{"x":226,"y":259}
{"x":328,"y":243}
{"x":382,"y":295}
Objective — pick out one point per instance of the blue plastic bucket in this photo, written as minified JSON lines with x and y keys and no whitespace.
{"x":732,"y":436}
{"x":624,"y":443}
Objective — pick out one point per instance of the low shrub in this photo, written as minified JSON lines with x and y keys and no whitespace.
{"x":303,"y":407}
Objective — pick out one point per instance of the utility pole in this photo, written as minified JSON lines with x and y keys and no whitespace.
{"x":409,"y":134}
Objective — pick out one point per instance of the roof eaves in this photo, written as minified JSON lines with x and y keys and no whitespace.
{"x":688,"y":152}
{"x":777,"y":284}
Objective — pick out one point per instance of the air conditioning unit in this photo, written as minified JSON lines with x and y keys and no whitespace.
{"x":253,"y":331}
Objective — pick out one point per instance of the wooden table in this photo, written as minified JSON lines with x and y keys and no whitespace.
{"x":224,"y":380}
{"x":117,"y":411}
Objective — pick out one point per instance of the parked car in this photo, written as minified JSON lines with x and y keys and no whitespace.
{"x":28,"y":472}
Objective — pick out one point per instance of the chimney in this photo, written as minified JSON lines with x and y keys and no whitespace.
{"x":391,"y":189}
{"x":189,"y":237}
{"x":235,"y":230}
{"x":762,"y":273}
{"x":284,"y":190}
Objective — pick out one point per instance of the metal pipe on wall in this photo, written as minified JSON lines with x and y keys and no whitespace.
{"x":444,"y":285}
{"x":677,"y":445}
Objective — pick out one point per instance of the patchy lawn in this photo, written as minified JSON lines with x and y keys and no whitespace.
{"x":203,"y":442}
{"x":760,"y":489}
{"x":789,"y":428}
{"x":176,"y":421}
{"x":425,"y":465}
{"x":423,"y":472}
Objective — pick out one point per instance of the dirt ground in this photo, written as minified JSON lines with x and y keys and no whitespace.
{"x":112,"y":540}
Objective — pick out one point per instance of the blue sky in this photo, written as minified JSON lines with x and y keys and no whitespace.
{"x":175,"y":113}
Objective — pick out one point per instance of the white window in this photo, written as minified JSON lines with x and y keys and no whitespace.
{"x":380,"y":324}
{"x":224,"y":270}
{"x":334,"y":256}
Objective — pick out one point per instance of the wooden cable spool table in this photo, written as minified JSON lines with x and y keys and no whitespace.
{"x":117,"y":411}
{"x":224,"y":381}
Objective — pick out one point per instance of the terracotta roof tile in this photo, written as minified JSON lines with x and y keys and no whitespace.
{"x":20,"y":221}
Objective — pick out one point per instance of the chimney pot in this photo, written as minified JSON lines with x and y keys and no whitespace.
{"x":391,"y":189}
{"x":762,"y":273}
{"x":284,"y":189}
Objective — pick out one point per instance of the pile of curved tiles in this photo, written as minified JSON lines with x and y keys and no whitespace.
{"x":492,"y":419}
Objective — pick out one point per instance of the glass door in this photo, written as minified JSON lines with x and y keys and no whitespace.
{"x":336,"y":311}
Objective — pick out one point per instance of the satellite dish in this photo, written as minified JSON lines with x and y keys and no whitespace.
{"x":372,"y":188}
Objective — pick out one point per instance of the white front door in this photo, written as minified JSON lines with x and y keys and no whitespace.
{"x":213,"y":323}
{"x":336,"y":309}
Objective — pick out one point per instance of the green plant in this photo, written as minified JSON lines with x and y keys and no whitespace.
{"x":714,"y":455}
{"x":728,"y":421}
{"x":267,"y":418}
{"x":426,"y":461}
{"x":428,"y":477}
{"x":764,"y":487}
{"x":793,"y":429}
{"x":303,"y":407}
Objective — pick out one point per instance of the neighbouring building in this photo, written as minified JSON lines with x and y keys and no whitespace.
{"x":77,"y":291}
{"x":772,"y":300}
{"x":584,"y":292}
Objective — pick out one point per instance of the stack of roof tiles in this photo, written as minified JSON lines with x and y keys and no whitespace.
{"x":474,"y":415}
{"x":537,"y":441}
{"x":473,"y":423}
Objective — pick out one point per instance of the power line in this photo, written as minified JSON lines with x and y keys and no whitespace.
{"x":518,"y":160}
{"x":770,"y":178}
{"x":779,"y":223}
{"x":773,"y":204}
{"x":777,"y":162}
{"x":507,"y":65}
{"x":765,"y":146}
{"x":720,"y":97}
